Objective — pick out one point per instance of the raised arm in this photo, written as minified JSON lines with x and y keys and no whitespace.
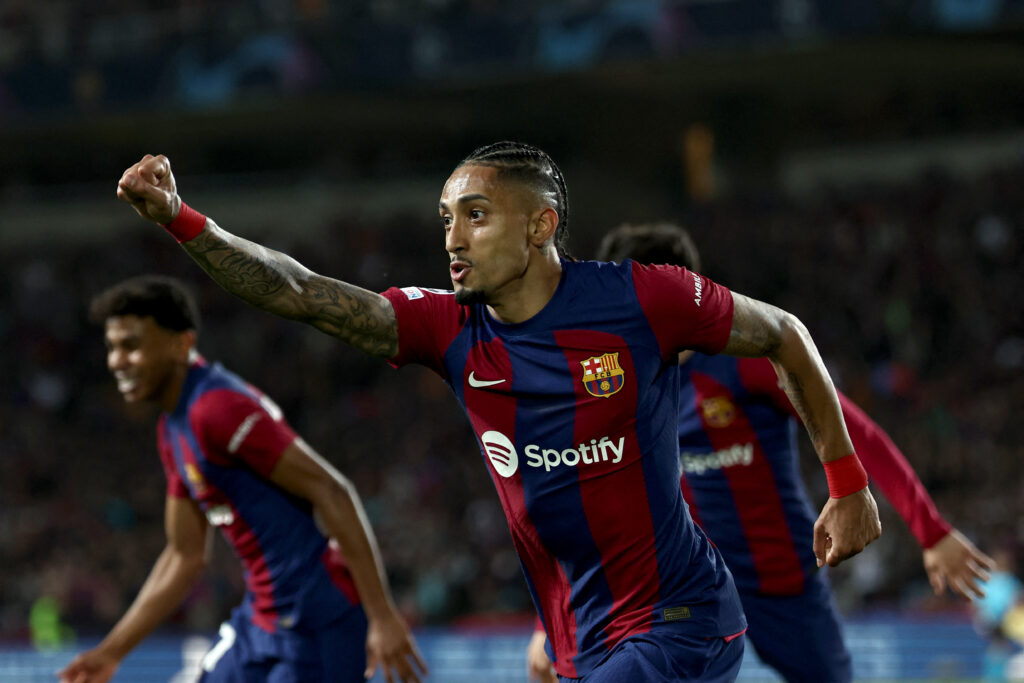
{"x":263,"y":277}
{"x":170,"y":580}
{"x":849,"y":520}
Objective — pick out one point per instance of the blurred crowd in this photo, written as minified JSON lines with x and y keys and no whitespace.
{"x":112,"y":55}
{"x":911,"y":292}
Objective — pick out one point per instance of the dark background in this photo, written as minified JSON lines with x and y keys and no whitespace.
{"x":857,"y":163}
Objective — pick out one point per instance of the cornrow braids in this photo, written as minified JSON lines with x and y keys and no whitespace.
{"x":535,"y":167}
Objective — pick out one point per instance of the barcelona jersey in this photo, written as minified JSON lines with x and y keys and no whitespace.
{"x":575,"y":414}
{"x":219,"y":447}
{"x":741,"y":476}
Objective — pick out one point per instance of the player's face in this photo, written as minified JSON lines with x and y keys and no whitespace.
{"x":147,"y":361}
{"x":486,"y":223}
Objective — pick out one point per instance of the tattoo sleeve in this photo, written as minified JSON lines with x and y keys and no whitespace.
{"x":759,"y":329}
{"x":756,"y":328}
{"x":279,"y":284}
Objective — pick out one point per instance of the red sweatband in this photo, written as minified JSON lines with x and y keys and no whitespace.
{"x":845,"y":476}
{"x":187,"y":225}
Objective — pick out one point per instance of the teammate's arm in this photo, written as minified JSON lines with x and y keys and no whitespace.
{"x":538,"y":664}
{"x":336,"y":505}
{"x":176,"y":570}
{"x":263,"y":277}
{"x":950,"y":559}
{"x":847,"y":523}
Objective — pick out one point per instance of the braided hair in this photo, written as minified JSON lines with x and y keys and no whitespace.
{"x":534,"y":167}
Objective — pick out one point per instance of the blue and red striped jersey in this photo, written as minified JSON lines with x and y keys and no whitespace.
{"x":575,"y":412}
{"x":741,"y":474}
{"x":219,"y":447}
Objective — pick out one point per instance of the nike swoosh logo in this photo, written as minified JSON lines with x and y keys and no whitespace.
{"x":478,"y":383}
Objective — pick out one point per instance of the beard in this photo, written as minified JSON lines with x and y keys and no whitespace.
{"x":470,"y":297}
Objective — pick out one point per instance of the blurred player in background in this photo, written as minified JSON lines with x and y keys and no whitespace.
{"x":741,"y":479}
{"x":568,"y":373}
{"x":311,"y":613}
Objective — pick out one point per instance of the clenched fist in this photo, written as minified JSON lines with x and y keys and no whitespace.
{"x":845,"y":527}
{"x":149,"y":187}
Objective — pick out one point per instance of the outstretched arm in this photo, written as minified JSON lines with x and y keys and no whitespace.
{"x":302,"y":472}
{"x":848,"y":522}
{"x":950,"y":559}
{"x":263,"y":277}
{"x":170,"y":580}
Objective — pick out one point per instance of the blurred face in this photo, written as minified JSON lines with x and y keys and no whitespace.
{"x":486,"y":224}
{"x":148,"y":362}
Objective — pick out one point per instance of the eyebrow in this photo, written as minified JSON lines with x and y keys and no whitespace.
{"x":465,"y":198}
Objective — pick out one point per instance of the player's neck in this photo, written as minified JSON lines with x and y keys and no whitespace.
{"x":171,"y":393}
{"x":525,"y":297}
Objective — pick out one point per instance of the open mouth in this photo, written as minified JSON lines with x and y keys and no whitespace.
{"x":459,"y":270}
{"x":126,"y":384}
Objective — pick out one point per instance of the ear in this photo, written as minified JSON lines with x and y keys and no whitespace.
{"x":184,"y":342}
{"x":543,"y":226}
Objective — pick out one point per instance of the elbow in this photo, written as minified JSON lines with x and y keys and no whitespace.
{"x":792,"y":335}
{"x":331,"y":492}
{"x":194,"y":565}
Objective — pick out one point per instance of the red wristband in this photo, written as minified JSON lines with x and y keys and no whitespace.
{"x":845,"y":476}
{"x":187,"y":225}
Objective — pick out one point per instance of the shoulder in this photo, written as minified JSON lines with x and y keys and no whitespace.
{"x":601,"y":281}
{"x":429,"y":306}
{"x":224,"y":399}
{"x":599,"y":270}
{"x":403,"y":295}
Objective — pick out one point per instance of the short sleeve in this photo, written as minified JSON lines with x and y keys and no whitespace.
{"x":428,"y":321}
{"x":236,"y":427}
{"x":684,"y":309}
{"x":175,"y":486}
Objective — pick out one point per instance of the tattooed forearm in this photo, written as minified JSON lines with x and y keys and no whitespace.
{"x":281,"y":285}
{"x":794,"y":389}
{"x":759,"y":329}
{"x":245,"y":269}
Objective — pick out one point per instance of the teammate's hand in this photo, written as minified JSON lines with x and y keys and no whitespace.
{"x":955,"y":563}
{"x":149,"y":187}
{"x":845,"y":527}
{"x":92,"y":666}
{"x":390,"y":645}
{"x":538,"y":666}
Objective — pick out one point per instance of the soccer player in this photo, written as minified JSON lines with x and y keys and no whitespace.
{"x":567,"y":372}
{"x":741,"y":478}
{"x":317,"y":606}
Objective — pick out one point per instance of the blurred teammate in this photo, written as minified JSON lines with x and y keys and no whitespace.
{"x":741,"y":478}
{"x":568,"y":374}
{"x":233,"y":462}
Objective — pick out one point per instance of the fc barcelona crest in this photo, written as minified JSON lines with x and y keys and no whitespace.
{"x":195,"y":477}
{"x":602,"y":375}
{"x":718,"y":411}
